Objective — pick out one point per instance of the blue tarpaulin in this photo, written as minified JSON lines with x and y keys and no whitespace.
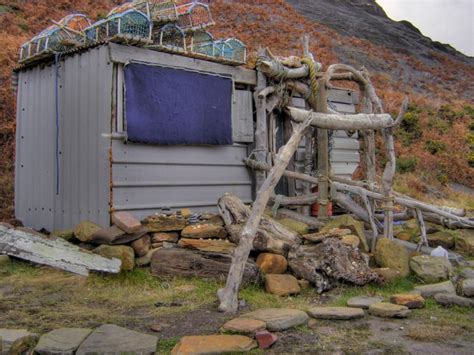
{"x":176,"y":107}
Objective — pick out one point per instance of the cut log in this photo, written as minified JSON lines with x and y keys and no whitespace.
{"x":56,"y":253}
{"x":332,"y":233}
{"x":360,"y":121}
{"x":184,"y":262}
{"x":228,"y":295}
{"x":330,"y":262}
{"x":271,"y":236}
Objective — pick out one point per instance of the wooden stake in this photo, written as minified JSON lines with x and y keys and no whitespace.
{"x":323,"y":154}
{"x":261,"y":135}
{"x":228,"y":296}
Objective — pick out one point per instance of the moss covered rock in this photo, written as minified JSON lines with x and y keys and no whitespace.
{"x":390,"y":254}
{"x":348,"y":222}
{"x":122,"y":252}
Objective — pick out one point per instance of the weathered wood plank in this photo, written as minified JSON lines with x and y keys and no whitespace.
{"x":123,"y":54}
{"x":53,"y":252}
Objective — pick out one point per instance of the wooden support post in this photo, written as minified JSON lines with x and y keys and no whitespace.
{"x":421,"y":224}
{"x":323,"y":153}
{"x":228,"y":296}
{"x":261,"y":134}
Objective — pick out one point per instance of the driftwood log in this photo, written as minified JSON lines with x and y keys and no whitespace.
{"x":56,"y":253}
{"x":228,"y":295}
{"x":330,"y":262}
{"x":359,"y":121}
{"x":271,"y":236}
{"x":184,"y":262}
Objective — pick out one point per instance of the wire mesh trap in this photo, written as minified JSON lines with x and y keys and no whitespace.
{"x":194,"y":16}
{"x":200,"y":41}
{"x":170,"y":36}
{"x":231,"y":49}
{"x":131,"y":23}
{"x":60,"y":37}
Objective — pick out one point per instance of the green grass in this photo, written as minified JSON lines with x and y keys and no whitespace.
{"x":166,"y":345}
{"x":402,"y":285}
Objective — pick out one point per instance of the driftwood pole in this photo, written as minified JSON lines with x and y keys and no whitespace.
{"x":308,"y":148}
{"x":228,"y":296}
{"x":322,"y":153}
{"x":261,"y":134}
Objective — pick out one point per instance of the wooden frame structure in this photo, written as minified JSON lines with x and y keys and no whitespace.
{"x":278,"y":77}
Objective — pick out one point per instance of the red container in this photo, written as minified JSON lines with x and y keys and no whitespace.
{"x":315,"y":206}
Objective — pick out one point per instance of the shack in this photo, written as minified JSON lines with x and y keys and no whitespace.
{"x":111,"y":127}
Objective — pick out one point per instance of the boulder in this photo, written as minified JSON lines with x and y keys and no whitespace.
{"x":328,"y":263}
{"x":222,"y":246}
{"x":446,"y":287}
{"x":64,"y":341}
{"x":114,"y":236}
{"x":112,"y":339}
{"x":304,"y":284}
{"x":265,"y":339}
{"x":408,"y":300}
{"x":142,"y":245}
{"x":390,"y":254}
{"x":170,"y":237}
{"x":387,"y":275}
{"x":164,"y":223}
{"x":272,"y":263}
{"x":441,"y":238}
{"x":146,"y":259}
{"x":466,"y":287}
{"x":388,"y":310}
{"x":279,"y":319}
{"x":11,"y":339}
{"x":467,"y":273}
{"x":453,"y":300}
{"x":363,"y":302}
{"x":204,"y":231}
{"x":339,"y":313}
{"x":244,"y":326}
{"x":351,"y":240}
{"x":66,"y":234}
{"x":281,"y":285}
{"x":213,"y":344}
{"x":126,"y":222}
{"x":465,"y":242}
{"x":122,"y":252}
{"x":296,"y":226}
{"x":85,"y":230}
{"x":431,"y":269}
{"x":186,"y":212}
{"x":348,"y":222}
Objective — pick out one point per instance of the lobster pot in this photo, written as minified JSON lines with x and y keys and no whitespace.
{"x":198,"y":40}
{"x":131,"y":22}
{"x":171,"y":36}
{"x":138,"y":5}
{"x":194,"y":16}
{"x":222,"y":49}
{"x":163,"y":11}
{"x":239,"y":50}
{"x":57,"y":38}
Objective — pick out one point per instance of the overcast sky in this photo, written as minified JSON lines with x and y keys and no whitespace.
{"x":447,"y":21}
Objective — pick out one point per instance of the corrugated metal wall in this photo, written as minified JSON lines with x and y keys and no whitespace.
{"x":85,"y":91}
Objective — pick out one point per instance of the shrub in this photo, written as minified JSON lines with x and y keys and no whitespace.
{"x":470,"y":159}
{"x":435,"y":147}
{"x":410,"y":128}
{"x":447,"y":113}
{"x":406,"y":164}
{"x":441,"y":126}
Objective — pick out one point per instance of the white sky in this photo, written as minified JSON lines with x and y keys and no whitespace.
{"x":446,"y":21}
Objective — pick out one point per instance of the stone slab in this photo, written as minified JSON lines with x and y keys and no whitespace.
{"x":363,"y":301}
{"x":64,"y":341}
{"x":112,"y":339}
{"x":336,"y":313}
{"x":279,"y":319}
{"x":213,"y":344}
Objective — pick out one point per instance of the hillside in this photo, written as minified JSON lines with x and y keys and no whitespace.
{"x":436,"y":139}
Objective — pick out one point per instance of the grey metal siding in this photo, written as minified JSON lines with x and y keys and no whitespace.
{"x":84,"y":115}
{"x":147,"y":178}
